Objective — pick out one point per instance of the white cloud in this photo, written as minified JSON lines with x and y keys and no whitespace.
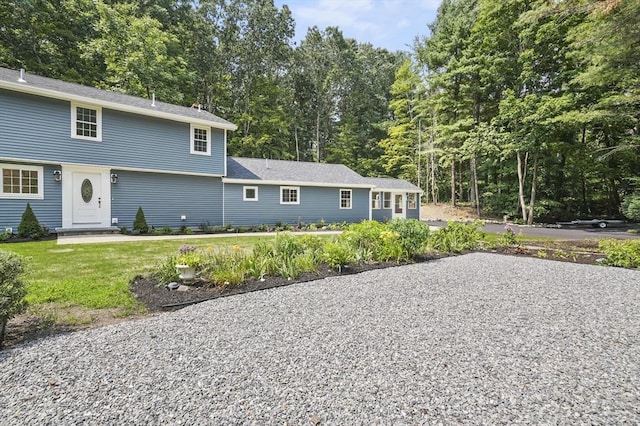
{"x":384,"y":23}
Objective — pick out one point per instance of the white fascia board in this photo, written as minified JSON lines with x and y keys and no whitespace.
{"x":20,"y":87}
{"x":295,"y":183}
{"x":107,"y":166}
{"x":378,"y":189}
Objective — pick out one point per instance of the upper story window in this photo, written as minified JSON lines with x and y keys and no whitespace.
{"x":345,"y":198}
{"x":200,"y":140}
{"x":289,"y":195}
{"x":18,"y":181}
{"x":86,"y":122}
{"x":250,"y":193}
{"x":375,"y":200}
{"x":411,"y":200}
{"x":387,"y":200}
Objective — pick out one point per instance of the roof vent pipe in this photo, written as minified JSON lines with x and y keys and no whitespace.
{"x":21,"y":79}
{"x":153,"y":99}
{"x":266,"y":163}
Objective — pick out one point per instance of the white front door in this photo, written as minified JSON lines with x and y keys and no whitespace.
{"x":399,"y":206}
{"x":87,"y":198}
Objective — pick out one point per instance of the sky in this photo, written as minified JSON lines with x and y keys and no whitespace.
{"x":391,"y":24}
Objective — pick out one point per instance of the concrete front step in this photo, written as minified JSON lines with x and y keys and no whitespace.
{"x":65,"y":232}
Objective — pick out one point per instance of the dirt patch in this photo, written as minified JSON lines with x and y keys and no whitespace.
{"x":446,"y":212}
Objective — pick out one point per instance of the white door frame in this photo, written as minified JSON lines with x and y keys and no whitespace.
{"x":402,"y":215}
{"x":67,"y":195}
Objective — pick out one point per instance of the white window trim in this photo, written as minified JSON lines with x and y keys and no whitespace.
{"x":297,"y":188}
{"x":350,"y":199}
{"x":192,"y":141}
{"x":244,"y":193}
{"x":377,"y":206}
{"x":98,"y":110}
{"x":384,"y":201}
{"x":38,"y":169}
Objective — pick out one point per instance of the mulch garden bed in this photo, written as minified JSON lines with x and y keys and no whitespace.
{"x":157,"y":298}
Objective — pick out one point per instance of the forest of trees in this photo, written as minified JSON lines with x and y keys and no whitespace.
{"x":522,"y":108}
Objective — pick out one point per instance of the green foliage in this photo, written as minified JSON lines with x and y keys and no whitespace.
{"x":140,"y":222}
{"x":456,"y":237}
{"x":338,"y":253}
{"x":12,"y":291}
{"x":29,"y":226}
{"x":631,"y":206}
{"x":509,"y":238}
{"x":412,"y":236}
{"x":622,"y":253}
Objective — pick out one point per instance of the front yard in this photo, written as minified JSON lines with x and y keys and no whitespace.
{"x":86,"y":285}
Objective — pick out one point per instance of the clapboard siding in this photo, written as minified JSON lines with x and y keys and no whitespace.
{"x":165,"y":198}
{"x":315,"y":203}
{"x":39,"y":128}
{"x":48,"y":210}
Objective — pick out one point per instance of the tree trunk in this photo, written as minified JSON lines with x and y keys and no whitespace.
{"x":434,"y":191}
{"x":534,"y":175}
{"x":295,"y":135}
{"x":521,"y":177}
{"x":453,"y":180}
{"x":476,"y":196}
{"x":318,"y":136}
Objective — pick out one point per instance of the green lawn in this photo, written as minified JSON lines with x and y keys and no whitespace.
{"x":97,"y":276}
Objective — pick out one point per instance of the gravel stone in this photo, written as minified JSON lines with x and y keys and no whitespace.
{"x":473,"y":339}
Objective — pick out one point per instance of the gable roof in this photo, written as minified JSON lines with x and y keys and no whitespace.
{"x":283,"y":172}
{"x":58,"y":89}
{"x":391,"y":184}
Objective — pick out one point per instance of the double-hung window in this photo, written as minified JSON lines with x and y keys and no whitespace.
{"x":289,"y":195}
{"x":17,"y":181}
{"x":86,"y":122}
{"x":375,"y":200}
{"x":386,"y":200}
{"x":200,"y":140}
{"x":345,"y":198}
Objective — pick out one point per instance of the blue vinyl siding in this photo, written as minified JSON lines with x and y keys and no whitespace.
{"x":315,"y":203}
{"x":39,"y":128}
{"x":164,"y":198}
{"x":48,"y":210}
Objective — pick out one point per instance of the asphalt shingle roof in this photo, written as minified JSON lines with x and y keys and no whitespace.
{"x":98,"y":96}
{"x":393,"y":184}
{"x":292,"y":171}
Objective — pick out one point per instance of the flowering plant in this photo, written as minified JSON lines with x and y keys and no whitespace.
{"x":188,"y":255}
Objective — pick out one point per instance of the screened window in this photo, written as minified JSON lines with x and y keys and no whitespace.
{"x":345,"y":198}
{"x":289,"y":195}
{"x":86,"y":122}
{"x":250,"y":193}
{"x":411,"y":201}
{"x":375,"y":200}
{"x":387,"y":200}
{"x":21,"y":181}
{"x":200,"y":140}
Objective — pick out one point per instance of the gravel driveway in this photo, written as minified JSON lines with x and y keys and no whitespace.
{"x":473,"y":339}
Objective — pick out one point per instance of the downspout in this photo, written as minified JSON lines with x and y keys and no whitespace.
{"x":370,"y":208}
{"x":223,"y":212}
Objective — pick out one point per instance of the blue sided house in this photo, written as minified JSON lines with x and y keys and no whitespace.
{"x":86,"y":159}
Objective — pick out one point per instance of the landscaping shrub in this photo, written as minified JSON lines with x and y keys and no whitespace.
{"x":622,"y":253}
{"x":412,"y":236}
{"x":457,"y":237}
{"x":509,"y":238}
{"x":366,"y":240}
{"x":12,"y":291}
{"x":29,"y":226}
{"x":140,"y":223}
{"x":338,"y":253}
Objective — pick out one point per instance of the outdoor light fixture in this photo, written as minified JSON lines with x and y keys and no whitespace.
{"x":114,"y":178}
{"x":57,"y":175}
